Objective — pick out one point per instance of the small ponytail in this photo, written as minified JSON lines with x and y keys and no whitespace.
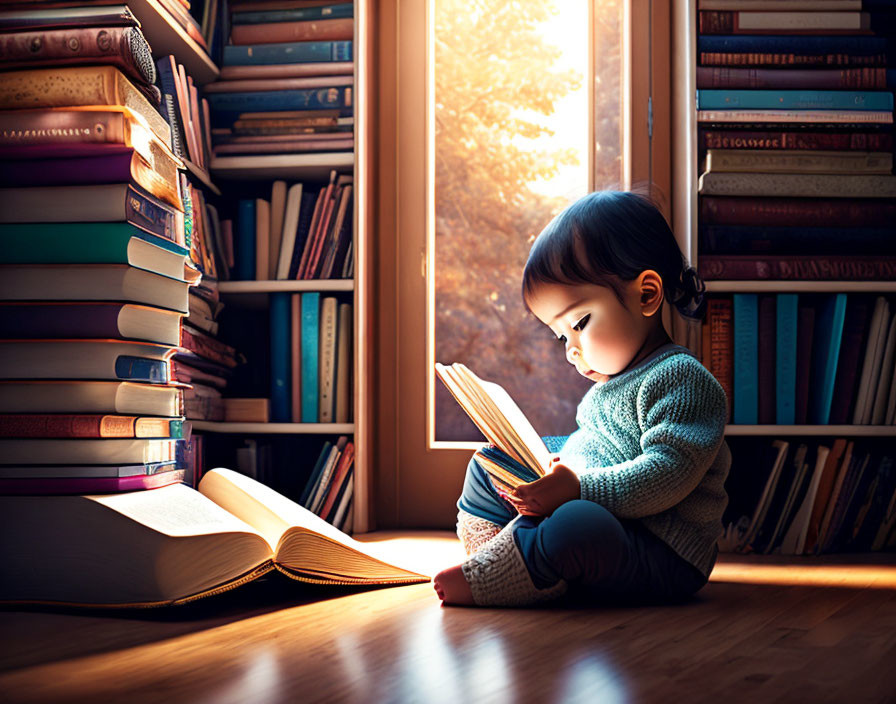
{"x":688,"y":296}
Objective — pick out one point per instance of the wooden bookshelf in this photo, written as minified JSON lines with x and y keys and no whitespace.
{"x":275,"y":428}
{"x":166,"y":36}
{"x":298,"y":167}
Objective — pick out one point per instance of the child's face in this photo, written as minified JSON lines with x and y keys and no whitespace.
{"x":602,"y":336}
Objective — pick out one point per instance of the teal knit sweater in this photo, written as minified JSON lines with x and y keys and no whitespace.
{"x":650,"y":446}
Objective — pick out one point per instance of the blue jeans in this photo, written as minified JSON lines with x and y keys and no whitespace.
{"x":600,"y":556}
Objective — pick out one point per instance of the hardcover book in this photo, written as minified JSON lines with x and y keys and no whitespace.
{"x":105,"y":397}
{"x":48,"y":425}
{"x":180,"y":544}
{"x":290,"y":52}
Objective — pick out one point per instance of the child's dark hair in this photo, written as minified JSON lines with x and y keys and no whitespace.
{"x":609,"y":234}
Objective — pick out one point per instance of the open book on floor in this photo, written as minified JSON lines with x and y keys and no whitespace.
{"x":173,"y":545}
{"x":503,"y":424}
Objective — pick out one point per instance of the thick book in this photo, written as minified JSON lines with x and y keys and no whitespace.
{"x":78,"y":85}
{"x":180,"y":544}
{"x":855,"y":334}
{"x":111,"y":202}
{"x":54,"y":17}
{"x":809,"y":22}
{"x":787,"y":330}
{"x":793,"y":139}
{"x":797,"y":212}
{"x":296,"y":14}
{"x":734,"y":99}
{"x":247,"y":410}
{"x":332,"y":29}
{"x":287,"y":70}
{"x":76,"y":319}
{"x":227,"y":107}
{"x":281,"y":385}
{"x":86,"y":451}
{"x":93,"y":243}
{"x":794,"y":539}
{"x":125,"y":48}
{"x":833,"y":79}
{"x":310,"y":356}
{"x":798,"y":161}
{"x":85,"y":359}
{"x":153,"y":477}
{"x":798,"y":185}
{"x":106,"y":397}
{"x":73,"y":164}
{"x":716,"y":267}
{"x":337,"y":484}
{"x":92,"y":282}
{"x":746,"y":354}
{"x":68,"y":478}
{"x":58,"y":425}
{"x":290,"y":52}
{"x":826,"y":352}
{"x":502,"y":423}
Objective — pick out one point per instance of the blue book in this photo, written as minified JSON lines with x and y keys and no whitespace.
{"x":316,"y":472}
{"x":244,"y":267}
{"x":281,"y":401}
{"x":746,"y":359}
{"x":322,"y":12}
{"x":151,"y":371}
{"x":794,"y":44}
{"x":227,"y":107}
{"x":310,"y":337}
{"x":732,"y":99}
{"x":825,"y":353}
{"x":287,"y":53}
{"x":785,"y":356}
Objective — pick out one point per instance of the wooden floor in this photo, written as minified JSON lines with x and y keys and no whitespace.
{"x":763,"y":630}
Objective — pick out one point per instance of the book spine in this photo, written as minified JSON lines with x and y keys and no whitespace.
{"x":30,"y":322}
{"x":835,"y":212}
{"x":765,"y":360}
{"x":33,"y":127}
{"x":721,"y":356}
{"x":344,"y":365}
{"x":798,"y":185}
{"x":327,"y":357}
{"x":782,"y":116}
{"x":326,"y":476}
{"x":280,"y":358}
{"x":208,"y":347}
{"x":805,"y":342}
{"x":855,"y":332}
{"x":293,"y":52}
{"x":712,"y":99}
{"x":746,"y":348}
{"x":772,"y":240}
{"x":792,"y":60}
{"x":66,"y":426}
{"x":310,"y":350}
{"x":273,"y":100}
{"x":281,"y":71}
{"x":303,"y":230}
{"x":740,"y":22}
{"x":170,"y":97}
{"x":754,"y":78}
{"x":296,"y":356}
{"x":313,"y":478}
{"x":716,"y":267}
{"x":828,"y":141}
{"x":93,"y":485}
{"x":828,"y":335}
{"x":302,"y":31}
{"x":785,"y":356}
{"x":321,"y":12}
{"x":244,"y":253}
{"x":804,"y":163}
{"x":145,"y":212}
{"x":795,"y":45}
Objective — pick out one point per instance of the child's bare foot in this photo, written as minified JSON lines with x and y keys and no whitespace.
{"x":452,"y":588}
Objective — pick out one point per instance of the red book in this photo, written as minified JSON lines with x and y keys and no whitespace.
{"x":300,"y":31}
{"x":853,"y":140}
{"x":47,"y":425}
{"x":803,"y":79}
{"x":320,"y":213}
{"x":731,"y":267}
{"x":801,"y":212}
{"x":721,"y":352}
{"x":91,"y":485}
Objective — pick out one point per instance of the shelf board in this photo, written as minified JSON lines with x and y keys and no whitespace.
{"x":201,"y":174}
{"x":800,"y":286}
{"x":234,"y":287}
{"x":825,"y":430}
{"x":269,"y":166}
{"x":166,"y":36}
{"x":275,"y":428}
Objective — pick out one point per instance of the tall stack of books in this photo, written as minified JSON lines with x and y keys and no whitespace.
{"x":286,"y":80}
{"x":795,"y":140}
{"x":95,"y":269}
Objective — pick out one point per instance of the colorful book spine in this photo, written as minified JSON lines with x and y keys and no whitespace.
{"x":281,"y":401}
{"x":712,"y":99}
{"x":798,"y":212}
{"x":310,"y":353}
{"x":765,"y":360}
{"x":746,"y":350}
{"x":828,"y":334}
{"x":852,"y":140}
{"x":288,"y":53}
{"x":758,"y":45}
{"x":785,"y":355}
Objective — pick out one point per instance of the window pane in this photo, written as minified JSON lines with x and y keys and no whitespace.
{"x":511,"y":149}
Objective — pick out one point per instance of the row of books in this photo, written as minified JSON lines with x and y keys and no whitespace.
{"x":300,"y":233}
{"x":311,"y":359}
{"x":804,"y":358}
{"x":795,"y":115}
{"x":286,"y":81}
{"x":803,"y":498}
{"x":328,"y":491}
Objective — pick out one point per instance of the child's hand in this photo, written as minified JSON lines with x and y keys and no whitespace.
{"x":544,"y":496}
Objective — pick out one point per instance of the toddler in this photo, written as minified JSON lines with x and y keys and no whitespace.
{"x":631,"y":505}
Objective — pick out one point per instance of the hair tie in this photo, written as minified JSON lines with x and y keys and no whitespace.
{"x":691,"y":301}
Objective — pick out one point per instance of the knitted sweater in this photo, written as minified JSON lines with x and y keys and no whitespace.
{"x":650,"y":446}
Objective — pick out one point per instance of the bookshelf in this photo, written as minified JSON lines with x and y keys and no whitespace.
{"x":288,"y":166}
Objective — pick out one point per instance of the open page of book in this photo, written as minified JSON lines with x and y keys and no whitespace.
{"x":306,"y":545}
{"x":140,"y":547}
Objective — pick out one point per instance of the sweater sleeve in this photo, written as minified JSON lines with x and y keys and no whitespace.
{"x":681,"y":413}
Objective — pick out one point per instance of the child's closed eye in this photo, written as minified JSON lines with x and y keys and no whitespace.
{"x":583,"y":321}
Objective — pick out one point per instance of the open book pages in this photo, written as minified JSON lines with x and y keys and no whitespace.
{"x":497,"y":416}
{"x":173,"y":544}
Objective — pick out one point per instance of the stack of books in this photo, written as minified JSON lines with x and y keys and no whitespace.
{"x":797,"y":359}
{"x":286,"y":80}
{"x":805,"y":498}
{"x":94,"y":262}
{"x":301,"y":232}
{"x":795,"y":115}
{"x":328,"y":491}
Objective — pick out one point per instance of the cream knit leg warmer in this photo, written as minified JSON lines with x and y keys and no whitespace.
{"x":498,"y":576}
{"x":474,"y":532}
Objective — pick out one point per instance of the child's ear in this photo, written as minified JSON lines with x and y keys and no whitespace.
{"x":650,"y":287}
